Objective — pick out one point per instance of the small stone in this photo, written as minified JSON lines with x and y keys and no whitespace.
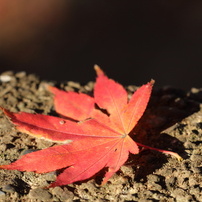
{"x":5,"y":78}
{"x":197,"y":169}
{"x":188,"y":145}
{"x":3,"y":148}
{"x":8,"y":188}
{"x":41,"y":194}
{"x":192,"y":181}
{"x":179,"y":194}
{"x":20,"y":74}
{"x":89,"y":86}
{"x":68,"y":88}
{"x":73,"y":84}
{"x":196,"y":157}
{"x":183,"y":182}
{"x":171,"y":182}
{"x":63,"y":194}
{"x":195,"y":191}
{"x":51,"y":176}
{"x":2,"y":194}
{"x":154,"y":178}
{"x":27,"y":151}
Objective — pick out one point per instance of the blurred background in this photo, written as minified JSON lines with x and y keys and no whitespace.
{"x":133,"y":41}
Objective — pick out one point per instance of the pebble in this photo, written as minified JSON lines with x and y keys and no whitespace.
{"x":63,"y":194}
{"x":179,"y":193}
{"x":197,"y":169}
{"x":3,"y":147}
{"x":20,"y":74}
{"x":27,"y":151}
{"x":154,"y":178}
{"x":8,"y":188}
{"x":5,"y":78}
{"x":41,"y":194}
{"x":196,"y":157}
{"x":73,"y":84}
{"x":2,"y":194}
{"x":195,"y":190}
{"x":171,"y":182}
{"x":89,"y":86}
{"x":183,"y":182}
{"x":188,"y":144}
{"x":158,"y":196}
{"x":192,"y":181}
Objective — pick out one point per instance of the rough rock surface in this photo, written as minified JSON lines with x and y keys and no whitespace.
{"x":172,"y":121}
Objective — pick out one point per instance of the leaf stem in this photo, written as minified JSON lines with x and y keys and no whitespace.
{"x":163,"y":151}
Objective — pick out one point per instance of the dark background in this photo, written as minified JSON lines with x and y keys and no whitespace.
{"x":133,"y":41}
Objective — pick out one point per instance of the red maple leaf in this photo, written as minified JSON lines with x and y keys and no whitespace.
{"x":92,"y":139}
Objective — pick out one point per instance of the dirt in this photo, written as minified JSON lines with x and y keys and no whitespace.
{"x":172,"y":121}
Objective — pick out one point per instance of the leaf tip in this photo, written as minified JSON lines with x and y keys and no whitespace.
{"x":98,"y":70}
{"x":2,"y":109}
{"x":152,"y":82}
{"x":1,"y":167}
{"x":4,"y":166}
{"x":6,"y":112}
